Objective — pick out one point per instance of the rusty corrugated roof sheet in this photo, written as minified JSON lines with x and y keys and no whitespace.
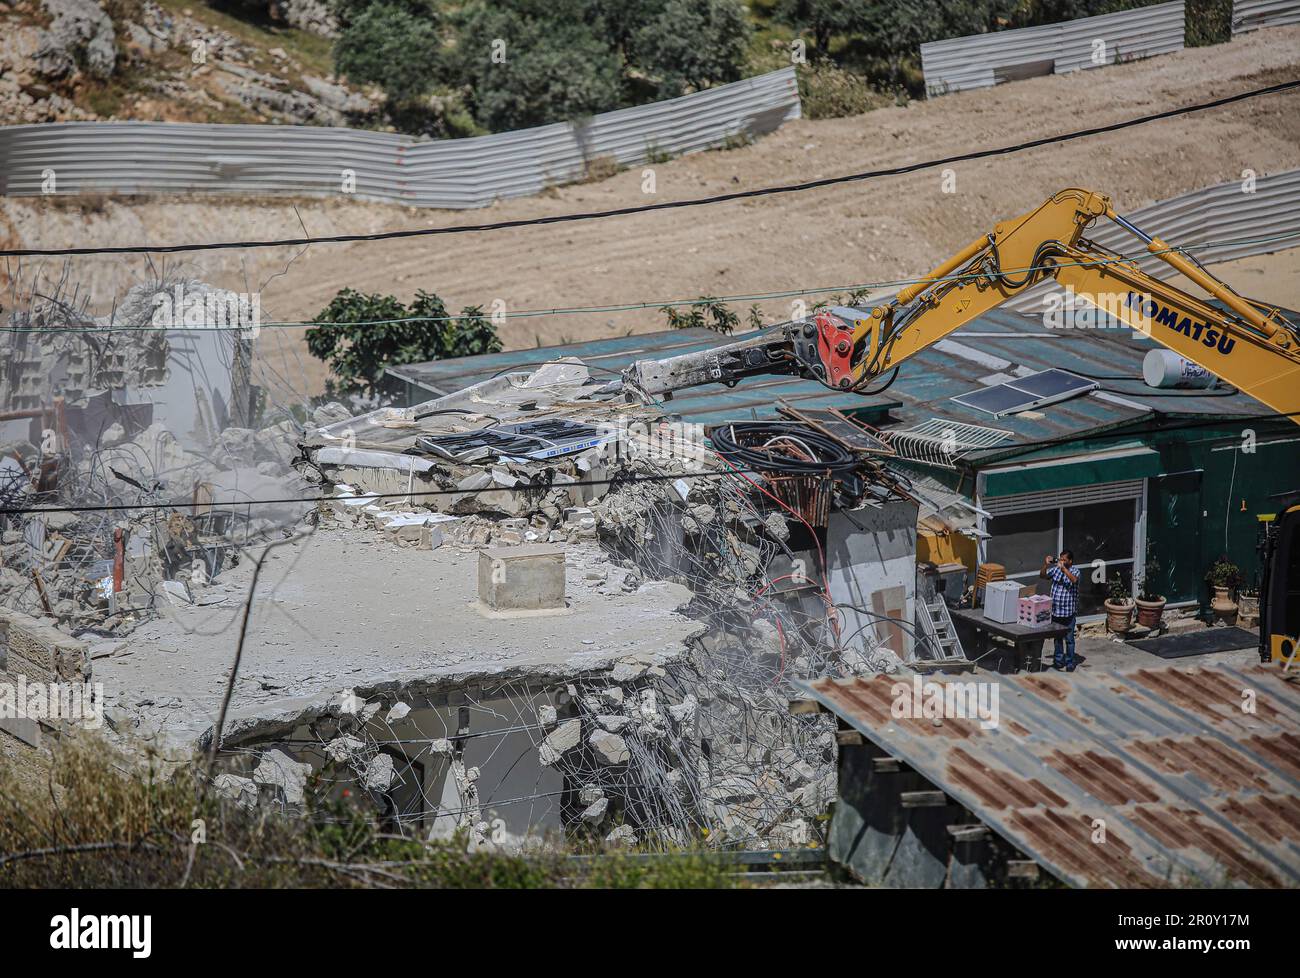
{"x":1193,"y":789}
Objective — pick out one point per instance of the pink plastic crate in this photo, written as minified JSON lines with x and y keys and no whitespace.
{"x":1035,"y":610}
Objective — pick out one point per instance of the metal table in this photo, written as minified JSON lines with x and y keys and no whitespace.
{"x":979,"y":636}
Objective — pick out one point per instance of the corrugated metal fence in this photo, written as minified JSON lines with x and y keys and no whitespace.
{"x":983,"y":60}
{"x":148,"y":157}
{"x":1241,"y":223}
{"x":1250,"y":15}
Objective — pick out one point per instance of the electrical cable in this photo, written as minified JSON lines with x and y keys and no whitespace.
{"x":465,"y":411}
{"x":670,"y":204}
{"x":907,"y":626}
{"x":880,"y":390}
{"x":1230,"y":391}
{"x":743,"y":443}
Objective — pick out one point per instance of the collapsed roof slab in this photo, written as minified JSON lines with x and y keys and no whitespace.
{"x":348,"y":609}
{"x":377,"y":452}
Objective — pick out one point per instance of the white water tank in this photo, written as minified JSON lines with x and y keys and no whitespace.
{"x":1165,"y":368}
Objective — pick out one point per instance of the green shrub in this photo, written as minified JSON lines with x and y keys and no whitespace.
{"x":359,"y":335}
{"x":828,"y":91}
{"x":692,"y":45}
{"x":1208,"y":22}
{"x":94,"y":816}
{"x":706,"y":313}
{"x":522,"y":63}
{"x":391,"y":46}
{"x":557,"y":65}
{"x":1223,"y":573}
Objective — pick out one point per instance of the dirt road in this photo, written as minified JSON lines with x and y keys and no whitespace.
{"x":880,"y":230}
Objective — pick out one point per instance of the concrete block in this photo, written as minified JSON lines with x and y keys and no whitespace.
{"x":521,"y":578}
{"x":40,"y":652}
{"x":610,"y":748}
{"x":28,"y":731}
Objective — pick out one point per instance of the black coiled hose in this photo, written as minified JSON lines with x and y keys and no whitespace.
{"x":743,"y":445}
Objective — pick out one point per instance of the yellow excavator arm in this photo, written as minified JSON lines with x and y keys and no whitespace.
{"x":1251,"y":346}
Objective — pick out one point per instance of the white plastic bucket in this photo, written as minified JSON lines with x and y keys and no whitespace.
{"x":1165,"y":368}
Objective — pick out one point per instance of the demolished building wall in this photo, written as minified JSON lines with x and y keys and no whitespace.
{"x":709,"y":732}
{"x":123,"y":410}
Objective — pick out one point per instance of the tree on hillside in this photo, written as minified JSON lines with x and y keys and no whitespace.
{"x":1034,"y":12}
{"x":521,"y":63}
{"x":346,"y":12}
{"x":894,"y":30}
{"x":359,"y":335}
{"x":822,"y":19}
{"x":390,"y":44}
{"x":691,"y":45}
{"x":532,"y":62}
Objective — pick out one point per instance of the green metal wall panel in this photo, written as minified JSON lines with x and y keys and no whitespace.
{"x":1213,"y":483}
{"x":1174,"y":524}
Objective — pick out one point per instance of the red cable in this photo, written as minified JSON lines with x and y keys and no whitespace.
{"x":832,"y":611}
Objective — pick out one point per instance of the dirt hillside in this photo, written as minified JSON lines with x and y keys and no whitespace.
{"x":881,"y":230}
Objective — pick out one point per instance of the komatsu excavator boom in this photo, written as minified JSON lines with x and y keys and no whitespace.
{"x":1250,"y":345}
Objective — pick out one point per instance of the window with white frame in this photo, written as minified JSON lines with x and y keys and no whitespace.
{"x":1101,"y":524}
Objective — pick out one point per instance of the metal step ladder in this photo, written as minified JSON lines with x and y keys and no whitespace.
{"x":941,"y":642}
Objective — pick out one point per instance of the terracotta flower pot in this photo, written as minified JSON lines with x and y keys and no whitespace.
{"x":1224,"y":608}
{"x":1119,"y":617}
{"x":1149,"y":613}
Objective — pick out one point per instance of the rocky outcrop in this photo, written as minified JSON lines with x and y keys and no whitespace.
{"x":306,"y":15}
{"x":80,"y":37}
{"x":53,"y":57}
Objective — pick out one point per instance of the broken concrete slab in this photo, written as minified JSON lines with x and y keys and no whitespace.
{"x":36,"y":650}
{"x":379,"y":772}
{"x":277,"y":769}
{"x":623,"y":835}
{"x":344,"y":749}
{"x":560,"y":740}
{"x":242,"y":791}
{"x":610,"y":748}
{"x":398,"y":712}
{"x":594,"y":812}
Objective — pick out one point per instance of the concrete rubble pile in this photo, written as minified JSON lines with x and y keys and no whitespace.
{"x":702,"y":747}
{"x":83,"y":425}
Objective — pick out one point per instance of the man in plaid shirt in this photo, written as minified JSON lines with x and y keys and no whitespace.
{"x":1065,"y":604}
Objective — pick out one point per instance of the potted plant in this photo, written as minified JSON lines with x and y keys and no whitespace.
{"x":1150,"y":602}
{"x":1119,"y":605}
{"x":1224,"y":576}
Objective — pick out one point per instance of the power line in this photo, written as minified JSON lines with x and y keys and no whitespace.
{"x":663,"y":205}
{"x":662,"y":303}
{"x":1215,"y":421}
{"x":236,"y":503}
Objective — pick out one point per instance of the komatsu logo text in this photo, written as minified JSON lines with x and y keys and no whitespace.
{"x":1153,"y":311}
